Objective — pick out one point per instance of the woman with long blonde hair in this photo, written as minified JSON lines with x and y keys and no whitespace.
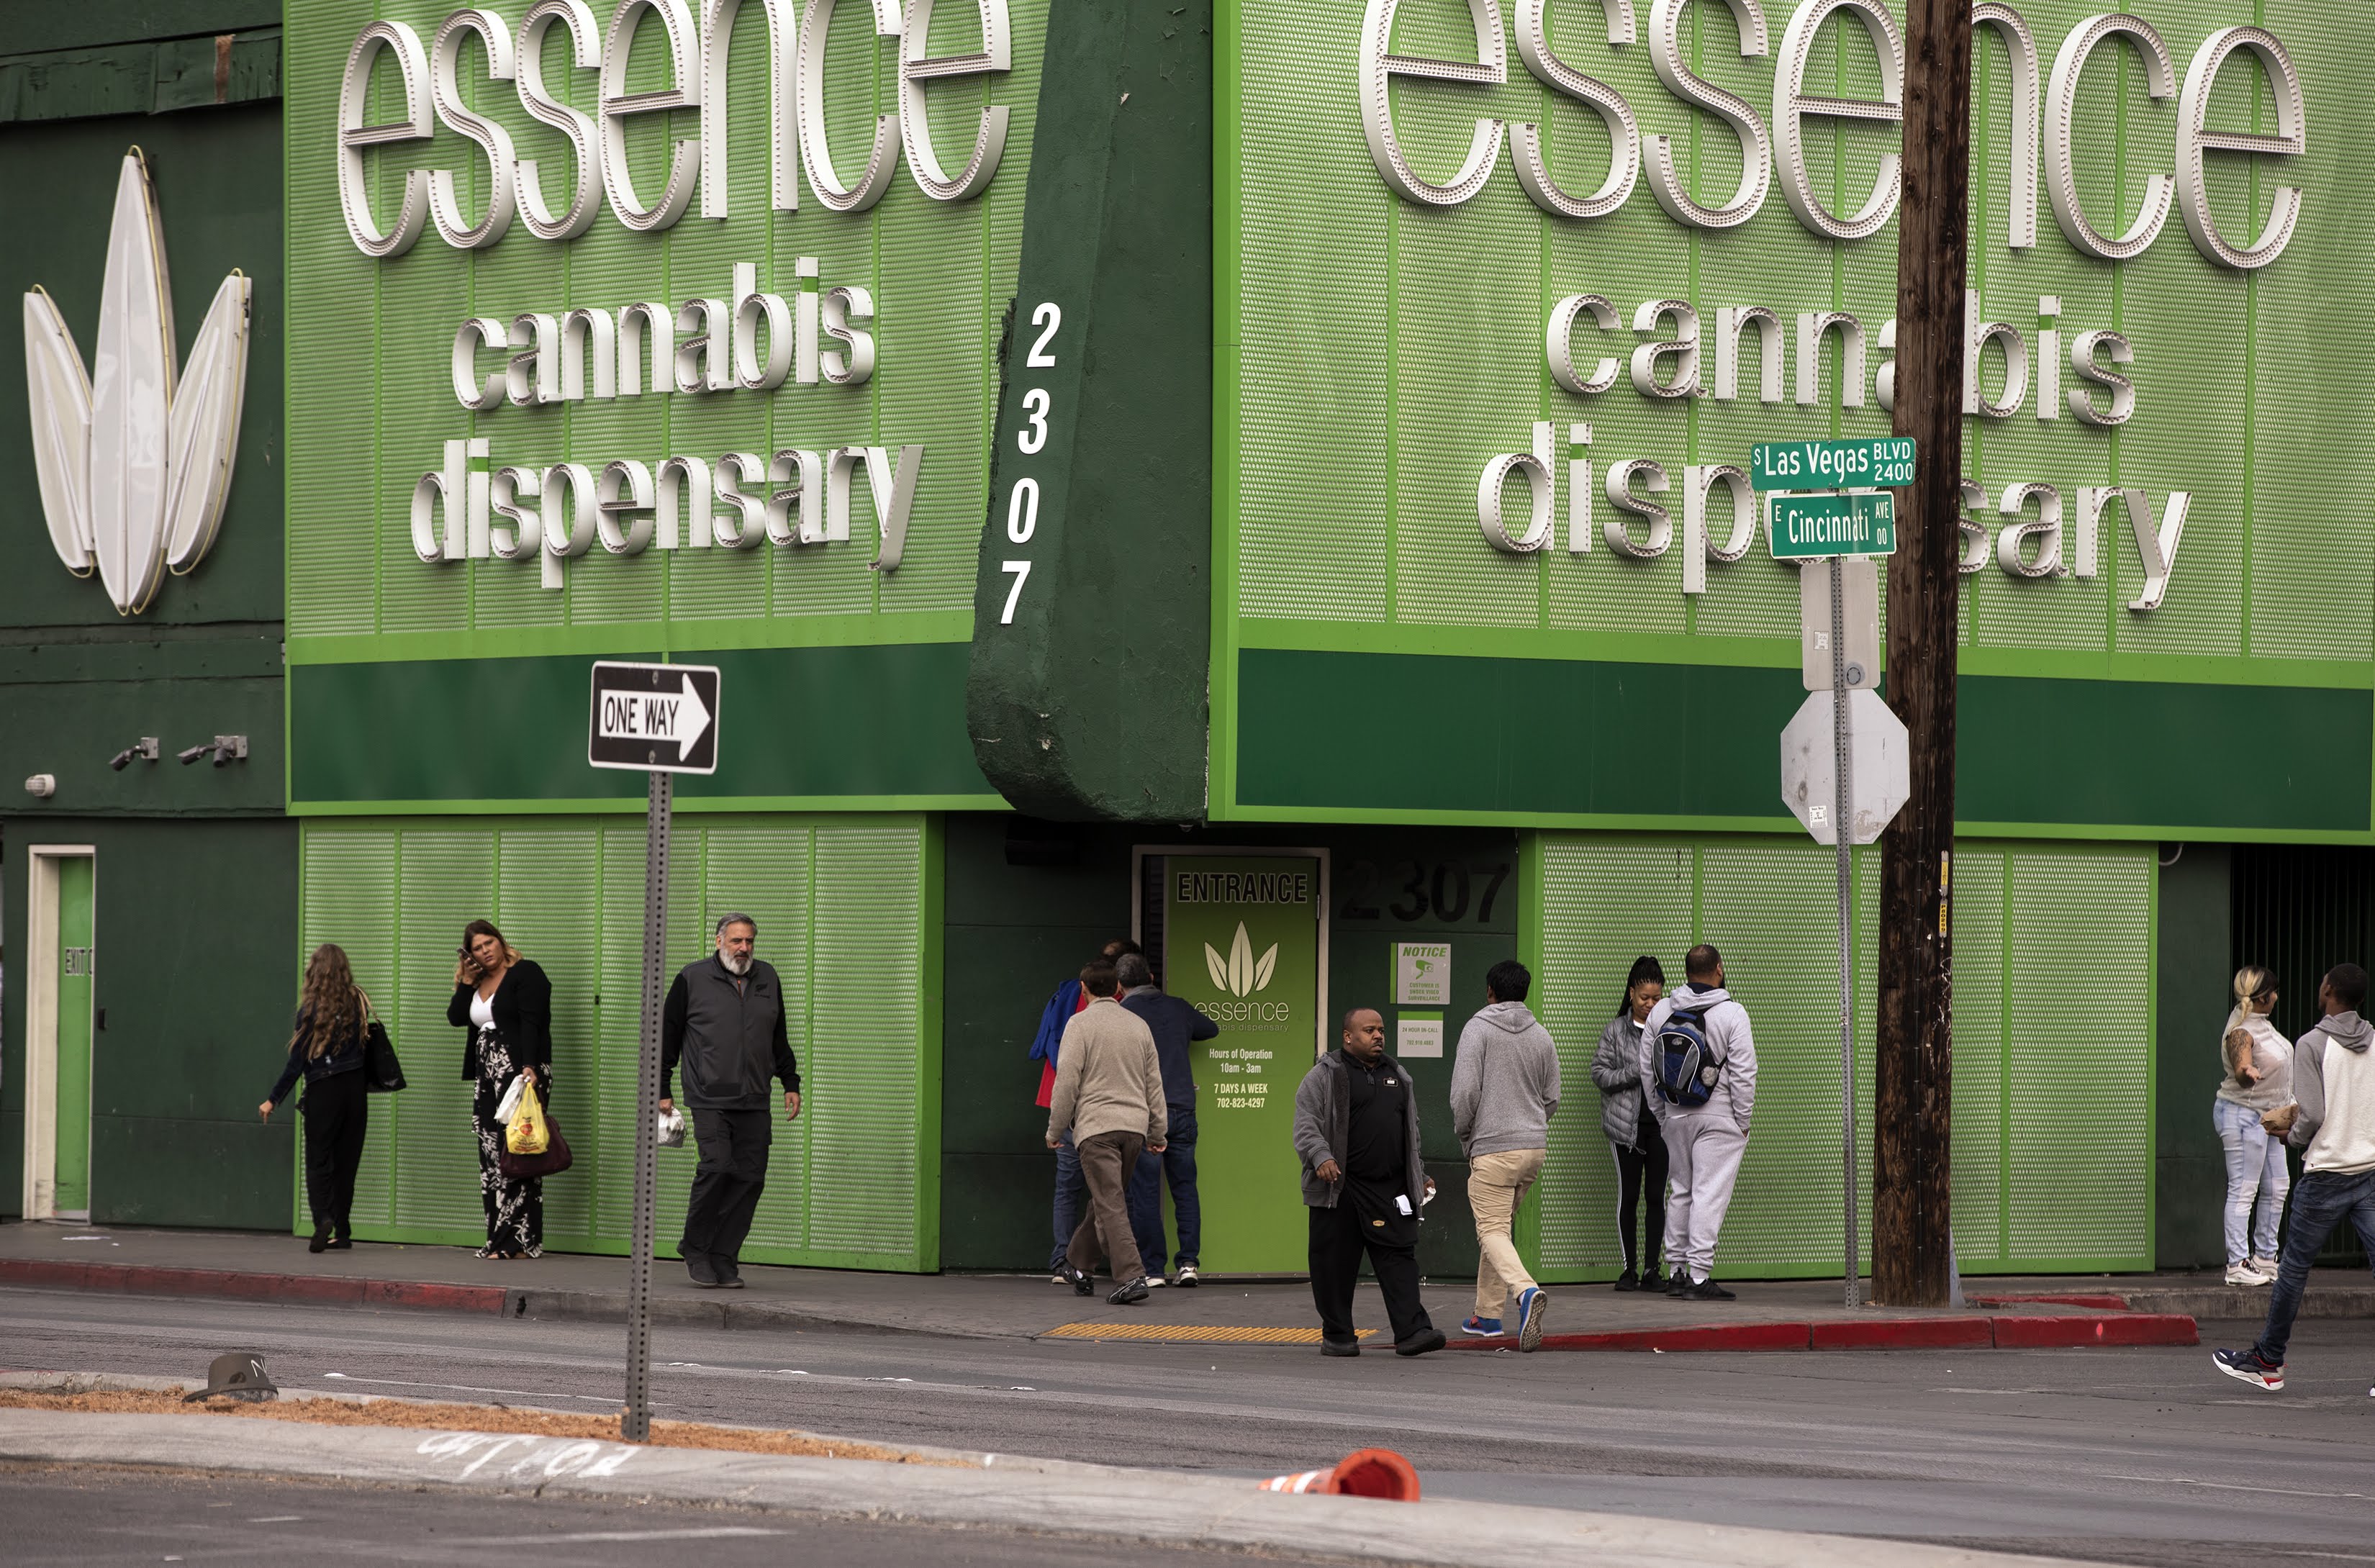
{"x":2259,"y":1079}
{"x":326,"y":1050}
{"x":503,"y":1004}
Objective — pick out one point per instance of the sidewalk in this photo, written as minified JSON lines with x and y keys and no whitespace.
{"x":1793,"y":1315}
{"x":1130,"y":1508}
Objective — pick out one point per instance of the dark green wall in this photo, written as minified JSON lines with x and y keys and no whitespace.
{"x":196,"y":923}
{"x":2195,"y":966}
{"x":1091,"y":703}
{"x":1016,"y":932}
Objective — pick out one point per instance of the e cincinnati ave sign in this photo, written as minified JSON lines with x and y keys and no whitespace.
{"x":654,"y":718}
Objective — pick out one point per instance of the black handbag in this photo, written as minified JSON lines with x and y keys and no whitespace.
{"x":383,"y":1074}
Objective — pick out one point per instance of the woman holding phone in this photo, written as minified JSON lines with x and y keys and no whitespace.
{"x":503,"y":1003}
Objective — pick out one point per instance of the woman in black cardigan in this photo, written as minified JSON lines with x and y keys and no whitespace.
{"x":505,"y":1003}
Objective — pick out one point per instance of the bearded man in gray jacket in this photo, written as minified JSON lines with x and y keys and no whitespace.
{"x":1505,"y":1089}
{"x":1704,"y":1143}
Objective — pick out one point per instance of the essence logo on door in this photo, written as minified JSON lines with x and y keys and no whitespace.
{"x":1240,"y":974}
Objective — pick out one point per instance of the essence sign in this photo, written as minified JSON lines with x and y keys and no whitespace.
{"x":2076,"y":369}
{"x":1536,"y":275}
{"x":718,"y":345}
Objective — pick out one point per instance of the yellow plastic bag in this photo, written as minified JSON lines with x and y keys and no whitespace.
{"x":528,"y":1133}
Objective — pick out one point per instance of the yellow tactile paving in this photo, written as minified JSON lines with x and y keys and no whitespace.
{"x":1197,"y":1334}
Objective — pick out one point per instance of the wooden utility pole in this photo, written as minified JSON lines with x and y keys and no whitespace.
{"x":1912,"y":1190}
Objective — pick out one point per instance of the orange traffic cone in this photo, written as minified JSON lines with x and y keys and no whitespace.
{"x":1366,"y":1472}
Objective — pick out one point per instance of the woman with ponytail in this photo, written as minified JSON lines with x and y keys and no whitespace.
{"x":2259,"y":1078}
{"x":327,"y":1051}
{"x":1632,"y":1134}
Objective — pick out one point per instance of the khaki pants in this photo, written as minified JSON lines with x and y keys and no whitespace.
{"x":1106,"y":1160}
{"x":1496,"y":1184}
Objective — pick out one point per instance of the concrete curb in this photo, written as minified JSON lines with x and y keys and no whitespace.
{"x":1093,"y":1502}
{"x":137,"y":1279}
{"x":2006,"y":1332}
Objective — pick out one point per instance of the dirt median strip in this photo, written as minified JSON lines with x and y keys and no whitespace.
{"x":423,"y":1415}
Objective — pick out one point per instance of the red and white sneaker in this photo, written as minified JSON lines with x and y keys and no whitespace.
{"x":2247,"y":1366}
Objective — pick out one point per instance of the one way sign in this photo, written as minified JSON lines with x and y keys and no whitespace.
{"x":654,"y":718}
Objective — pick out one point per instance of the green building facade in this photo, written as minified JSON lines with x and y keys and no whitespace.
{"x":1261,"y":479}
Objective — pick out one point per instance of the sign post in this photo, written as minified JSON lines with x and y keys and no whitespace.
{"x":1860,"y":522}
{"x":659,"y":720}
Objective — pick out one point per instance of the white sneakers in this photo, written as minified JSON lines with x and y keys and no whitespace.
{"x":2246,"y":1274}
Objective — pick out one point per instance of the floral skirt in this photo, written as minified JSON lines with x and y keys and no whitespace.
{"x":514,"y":1207}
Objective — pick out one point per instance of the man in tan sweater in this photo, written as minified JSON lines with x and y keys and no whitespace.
{"x":1109,"y":1097}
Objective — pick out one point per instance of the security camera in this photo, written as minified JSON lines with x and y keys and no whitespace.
{"x":144,"y":749}
{"x":193,"y":754}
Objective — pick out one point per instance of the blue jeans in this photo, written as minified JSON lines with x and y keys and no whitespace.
{"x":2322,"y":1201}
{"x":1178,"y":1163}
{"x":2255,"y":1169}
{"x":1072,"y":1200}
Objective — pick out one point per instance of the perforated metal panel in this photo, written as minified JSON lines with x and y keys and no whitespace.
{"x":2053,"y":985}
{"x":839,"y":907}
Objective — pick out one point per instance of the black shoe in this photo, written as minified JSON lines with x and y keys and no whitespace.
{"x":729,"y":1273}
{"x":1706,"y":1290}
{"x":1130,"y":1293}
{"x":1629,"y":1281}
{"x":1680,"y":1285}
{"x":321,"y":1240}
{"x":1339,"y":1347}
{"x":1081,"y":1284}
{"x":1420,"y":1343}
{"x":702,"y":1269}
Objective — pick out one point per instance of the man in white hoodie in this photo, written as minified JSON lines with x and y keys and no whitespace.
{"x":1704,"y":1143}
{"x":1505,"y":1089}
{"x":2332,"y":1121}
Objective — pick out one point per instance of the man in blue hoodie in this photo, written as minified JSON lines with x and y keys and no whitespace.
{"x":1704,"y":1142}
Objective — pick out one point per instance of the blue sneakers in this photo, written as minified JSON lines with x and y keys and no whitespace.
{"x":1483,"y":1327}
{"x":1531,"y":1303}
{"x":2247,"y":1365}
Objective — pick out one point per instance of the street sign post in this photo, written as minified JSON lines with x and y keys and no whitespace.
{"x":1857,"y":518}
{"x":660,"y":720}
{"x":1859,"y":523}
{"x":1878,"y":462}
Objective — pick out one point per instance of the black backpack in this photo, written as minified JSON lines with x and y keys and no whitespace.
{"x":1688,"y":1068}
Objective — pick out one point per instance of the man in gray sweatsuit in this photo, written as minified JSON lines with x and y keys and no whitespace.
{"x":1505,"y":1089}
{"x":1704,"y":1143}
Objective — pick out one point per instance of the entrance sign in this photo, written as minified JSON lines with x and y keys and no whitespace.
{"x":1805,"y":526}
{"x":1831,"y":464}
{"x":654,"y":718}
{"x":1241,"y":944}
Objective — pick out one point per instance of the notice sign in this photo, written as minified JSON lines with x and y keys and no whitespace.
{"x":1241,"y":945}
{"x":1422,"y":974}
{"x":654,"y":718}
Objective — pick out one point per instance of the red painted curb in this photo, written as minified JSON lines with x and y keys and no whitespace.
{"x":146,"y":1279}
{"x":1905,"y":1334}
{"x":2097,"y":1302}
{"x":2122,"y":1329}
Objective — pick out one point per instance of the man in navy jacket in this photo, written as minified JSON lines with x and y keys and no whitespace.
{"x":1175,"y":1026}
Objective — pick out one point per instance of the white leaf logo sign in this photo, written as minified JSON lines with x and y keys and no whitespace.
{"x":1240,"y":974}
{"x":132,"y":469}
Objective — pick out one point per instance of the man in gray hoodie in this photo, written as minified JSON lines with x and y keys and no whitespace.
{"x":1704,"y":1143}
{"x":1504,"y":1087}
{"x":2332,"y":1121}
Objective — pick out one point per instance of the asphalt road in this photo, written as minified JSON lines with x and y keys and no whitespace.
{"x":2140,"y":1455}
{"x":55,"y":1516}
